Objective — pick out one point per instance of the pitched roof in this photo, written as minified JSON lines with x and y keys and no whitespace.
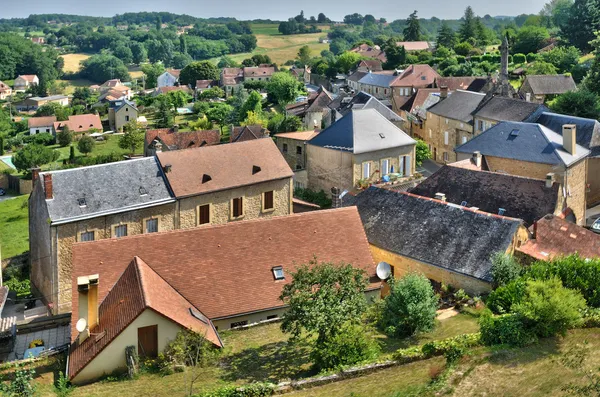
{"x":183,"y":140}
{"x":138,"y":288}
{"x":165,"y":90}
{"x":205,"y":274}
{"x":362,"y":100}
{"x":174,"y":72}
{"x":500,"y":108}
{"x":107,"y":189}
{"x":459,"y":105}
{"x":28,"y":77}
{"x":356,"y":76}
{"x":441,"y":234}
{"x":80,"y":123}
{"x":414,"y":45}
{"x":248,"y":132}
{"x":369,"y":51}
{"x":35,"y":122}
{"x":467,"y":83}
{"x":379,"y":80}
{"x":121,"y":103}
{"x":111,"y":83}
{"x":229,"y":166}
{"x":258,"y":71}
{"x":206,"y":83}
{"x":416,"y":76}
{"x":372,"y":64}
{"x":550,"y":84}
{"x":419,"y":98}
{"x":557,"y":237}
{"x":362,"y":131}
{"x":321,"y":101}
{"x":588,"y":130}
{"x":4,"y":87}
{"x":299,"y":135}
{"x":47,"y":98}
{"x":524,"y":198}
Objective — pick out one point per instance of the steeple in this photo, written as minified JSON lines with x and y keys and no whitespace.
{"x":504,"y":67}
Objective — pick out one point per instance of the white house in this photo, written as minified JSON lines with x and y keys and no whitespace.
{"x":39,"y":125}
{"x":23,"y":82}
{"x":168,"y":79}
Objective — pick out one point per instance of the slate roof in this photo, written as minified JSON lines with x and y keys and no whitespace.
{"x":550,"y":84}
{"x":226,"y":270}
{"x":248,"y":132}
{"x":417,"y":100}
{"x":362,"y":131}
{"x":320,"y":102}
{"x":524,"y":198}
{"x":533,"y":143}
{"x":440,"y":234}
{"x":107,"y":189}
{"x":228,"y":166}
{"x":138,"y":288}
{"x":416,"y":76}
{"x":356,"y":76}
{"x":507,"y":109}
{"x":588,"y":130}
{"x":362,"y":100}
{"x":35,"y":122}
{"x":183,"y":140}
{"x":378,"y":80}
{"x":557,"y":237}
{"x":459,"y":105}
{"x":121,"y":103}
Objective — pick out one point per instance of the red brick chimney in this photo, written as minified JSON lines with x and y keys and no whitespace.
{"x":35,"y":175}
{"x":48,"y":186}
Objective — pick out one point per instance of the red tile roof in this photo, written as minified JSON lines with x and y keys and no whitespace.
{"x":28,"y":77}
{"x":165,"y":90}
{"x":183,"y":140}
{"x":80,"y":123}
{"x":136,"y":289}
{"x":557,"y":237}
{"x":229,"y":166}
{"x":414,"y":45}
{"x":226,"y":270}
{"x":418,"y":76}
{"x":248,"y":132}
{"x":4,"y":87}
{"x":206,"y":83}
{"x":35,"y":122}
{"x":174,"y":72}
{"x":298,"y":135}
{"x":259,"y":71}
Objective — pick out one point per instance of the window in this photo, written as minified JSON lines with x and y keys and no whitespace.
{"x":278,"y":273}
{"x":430,"y":134}
{"x":120,"y":231}
{"x":272,"y":317}
{"x":366,"y":170}
{"x":446,"y":138}
{"x":152,"y":225}
{"x":47,"y":129}
{"x":385,"y":167}
{"x":239,"y":324}
{"x":298,"y":167}
{"x":447,"y":121}
{"x":268,"y":201}
{"x":445,"y":156}
{"x":464,"y":139}
{"x":285,"y":148}
{"x":126,"y":118}
{"x":237,"y":207}
{"x":87,"y":236}
{"x":37,"y":131}
{"x":298,"y":149}
{"x":204,"y":214}
{"x":127,"y":109}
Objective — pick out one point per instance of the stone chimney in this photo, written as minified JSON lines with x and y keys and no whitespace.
{"x":440,"y":196}
{"x":443,"y":92}
{"x":336,"y":201}
{"x":569,"y":134}
{"x":504,"y":84}
{"x":48,"y":186}
{"x":176,"y":128}
{"x":477,"y":159}
{"x":35,"y":175}
{"x":549,"y":179}
{"x":528,"y":96}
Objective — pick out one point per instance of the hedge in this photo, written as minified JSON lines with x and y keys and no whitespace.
{"x":251,"y":390}
{"x":437,"y":348}
{"x":507,"y":329}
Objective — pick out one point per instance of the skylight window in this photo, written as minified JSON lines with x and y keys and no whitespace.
{"x":501,"y":211}
{"x":278,"y":273}
{"x":463,"y":204}
{"x":381,"y":135}
{"x":81,"y":202}
{"x":514,"y":133}
{"x":143,"y":191}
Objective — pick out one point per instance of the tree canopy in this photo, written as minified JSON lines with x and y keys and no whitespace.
{"x":202,"y":70}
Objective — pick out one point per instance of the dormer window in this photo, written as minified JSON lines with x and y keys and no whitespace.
{"x":278,"y":273}
{"x":81,"y":202}
{"x":143,"y":191}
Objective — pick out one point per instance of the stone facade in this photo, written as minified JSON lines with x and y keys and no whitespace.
{"x":442,"y":135}
{"x":118,"y":119}
{"x":293,"y":151}
{"x":593,"y":180}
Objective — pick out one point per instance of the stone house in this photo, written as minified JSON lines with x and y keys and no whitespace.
{"x":369,"y":65}
{"x":378,"y":85}
{"x":370,"y":51}
{"x":170,"y":78}
{"x":534,"y":151}
{"x":412,"y":78}
{"x":39,"y":125}
{"x":24,"y":81}
{"x":292,"y":146}
{"x":452,"y":245}
{"x":167,"y":139}
{"x":314,"y":112}
{"x":538,"y":89}
{"x":360,"y":148}
{"x":154,"y":285}
{"x":450,"y":123}
{"x":500,"y":108}
{"x":258,"y":73}
{"x":33,"y":103}
{"x":353,"y":79}
{"x":231,"y":80}
{"x":120,"y":113}
{"x":248,"y":133}
{"x":342,"y":105}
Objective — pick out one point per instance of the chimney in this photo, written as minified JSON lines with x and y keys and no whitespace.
{"x":569,"y":137}
{"x":48,"y":186}
{"x":176,"y":128}
{"x":336,"y":202}
{"x":167,"y":168}
{"x":440,"y":196}
{"x":534,"y":230}
{"x":549,"y":179}
{"x":443,"y":92}
{"x":477,"y":159}
{"x":35,"y":175}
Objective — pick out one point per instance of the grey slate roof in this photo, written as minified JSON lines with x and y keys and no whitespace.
{"x":107,"y":189}
{"x":379,"y":80}
{"x":530,"y":142}
{"x":119,"y":103}
{"x":459,"y":105}
{"x":524,"y":198}
{"x":362,"y":100}
{"x":436,"y":233}
{"x":356,"y":76}
{"x":588,"y":130}
{"x":550,"y":84}
{"x":507,"y":109}
{"x":362,"y":131}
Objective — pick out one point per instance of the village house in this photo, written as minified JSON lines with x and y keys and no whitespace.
{"x":353,"y":79}
{"x":302,"y":74}
{"x":467,"y":185}
{"x":447,"y":243}
{"x":80,"y":124}
{"x":203,"y":85}
{"x":414,"y":110}
{"x":170,"y":78}
{"x":38,"y":125}
{"x":120,"y":113}
{"x":258,"y":73}
{"x":33,"y":103}
{"x":23,"y":82}
{"x":248,"y":133}
{"x":414,"y":45}
{"x":450,"y":123}
{"x":360,"y":148}
{"x":38,"y":40}
{"x":465,"y":83}
{"x":224,"y":183}
{"x":5,"y":91}
{"x":147,"y":288}
{"x":501,"y":108}
{"x":369,"y":51}
{"x":539,"y":89}
{"x":167,"y":139}
{"x":165,"y":90}
{"x":534,"y":151}
{"x":90,"y":203}
{"x":369,"y":65}
{"x":314,"y":112}
{"x":412,"y":78}
{"x":378,"y":85}
{"x":231,"y":80}
{"x":292,"y":146}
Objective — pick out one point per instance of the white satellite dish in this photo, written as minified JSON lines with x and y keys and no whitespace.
{"x":384,"y":270}
{"x":81,"y":325}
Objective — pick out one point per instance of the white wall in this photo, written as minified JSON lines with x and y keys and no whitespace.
{"x":33,"y":131}
{"x":166,"y":80}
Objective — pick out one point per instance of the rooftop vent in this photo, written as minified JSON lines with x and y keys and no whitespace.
{"x":206,"y":178}
{"x":278,"y":273}
{"x":167,"y":168}
{"x":255,"y":169}
{"x":81,"y":202}
{"x":514,"y":133}
{"x":381,"y":135}
{"x":143,"y":191}
{"x":440,"y":196}
{"x":195,"y":313}
{"x":501,"y":211}
{"x":463,"y":204}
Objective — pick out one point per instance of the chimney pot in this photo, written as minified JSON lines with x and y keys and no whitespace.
{"x":443,"y":91}
{"x":440,"y":196}
{"x":549,"y":179}
{"x":35,"y":175}
{"x":477,"y":159}
{"x":336,"y":202}
{"x":569,"y":136}
{"x":48,"y":186}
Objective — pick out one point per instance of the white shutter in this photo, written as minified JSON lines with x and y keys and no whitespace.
{"x":401,"y":168}
{"x":408,"y":166}
{"x":464,"y":139}
{"x":445,"y":137}
{"x":366,"y":170}
{"x":385,"y":167}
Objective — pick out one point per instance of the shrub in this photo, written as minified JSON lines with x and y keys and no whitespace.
{"x":251,"y":390}
{"x":40,"y":139}
{"x":410,"y":307}
{"x":505,"y":329}
{"x":351,"y":345}
{"x":1,"y":145}
{"x":476,"y":59}
{"x":86,"y":144}
{"x":504,"y":269}
{"x":320,"y":198}
{"x":64,"y":137}
{"x":463,"y":48}
{"x":22,"y":384}
{"x":450,"y":346}
{"x":548,"y":308}
{"x":503,"y":298}
{"x":519,"y":58}
{"x":487,"y":58}
{"x":461,"y":59}
{"x":532,"y":57}
{"x":63,"y":387}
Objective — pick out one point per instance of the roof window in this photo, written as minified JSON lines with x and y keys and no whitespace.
{"x":81,"y":202}
{"x":255,"y":169}
{"x":501,"y":211}
{"x":206,"y":178}
{"x":278,"y":273}
{"x":381,"y":135}
{"x":143,"y":191}
{"x":514,"y":133}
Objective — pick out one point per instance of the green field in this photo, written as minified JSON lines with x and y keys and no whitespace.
{"x":14,"y":226}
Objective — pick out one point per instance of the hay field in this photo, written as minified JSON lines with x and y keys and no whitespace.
{"x":72,"y":61}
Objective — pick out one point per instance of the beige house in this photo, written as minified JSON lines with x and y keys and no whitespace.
{"x":292,"y":146}
{"x":541,"y":88}
{"x":120,"y":113}
{"x":361,"y":148}
{"x":24,"y":81}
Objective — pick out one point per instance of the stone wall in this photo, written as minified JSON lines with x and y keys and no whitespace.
{"x":434,"y":135}
{"x":375,"y":160}
{"x":575,"y":181}
{"x":593,"y":179}
{"x":4,"y":181}
{"x":295,"y":161}
{"x":327,"y":168}
{"x":43,"y":273}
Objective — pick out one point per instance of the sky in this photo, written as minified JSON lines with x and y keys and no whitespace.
{"x":274,"y":9}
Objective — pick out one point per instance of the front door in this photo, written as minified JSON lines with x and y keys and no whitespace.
{"x":148,"y":341}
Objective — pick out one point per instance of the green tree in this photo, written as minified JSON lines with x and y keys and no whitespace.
{"x":395,"y":55}
{"x":202,"y":70}
{"x":422,"y":152}
{"x":581,"y":103}
{"x":410,"y":307}
{"x":102,"y":67}
{"x":64,"y":137}
{"x":582,"y":23}
{"x":62,"y":113}
{"x":304,"y":55}
{"x":124,"y":53}
{"x":152,"y":71}
{"x":226,"y":62}
{"x":284,"y":88}
{"x":412,"y":31}
{"x":182,"y":44}
{"x":218,"y":113}
{"x":133,"y":137}
{"x":86,"y":144}
{"x":32,"y":156}
{"x":505,"y":269}
{"x":468,"y":28}
{"x":347,"y":61}
{"x":164,"y":113}
{"x":351,"y":345}
{"x":252,"y":104}
{"x":138,"y":51}
{"x":22,"y":384}
{"x":71,"y":154}
{"x":181,"y":60}
{"x":530,"y":39}
{"x":541,"y":67}
{"x":1,"y":145}
{"x":211,"y":93}
{"x":592,"y":81}
{"x":563,"y":58}
{"x":446,"y":36}
{"x":179,"y":99}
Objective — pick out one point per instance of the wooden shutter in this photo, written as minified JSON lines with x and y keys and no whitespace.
{"x":148,"y":341}
{"x":238,"y":207}
{"x":204,"y":214}
{"x":268,"y":200}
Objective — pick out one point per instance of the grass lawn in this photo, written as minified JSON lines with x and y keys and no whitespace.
{"x":135,"y":71}
{"x":14,"y":226}
{"x":72,"y":84}
{"x":72,"y":61}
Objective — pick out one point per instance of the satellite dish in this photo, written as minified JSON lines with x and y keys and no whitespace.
{"x":384,"y":270}
{"x":82,"y":324}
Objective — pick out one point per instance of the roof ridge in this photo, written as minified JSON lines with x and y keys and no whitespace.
{"x":138,"y":274}
{"x":96,"y":165}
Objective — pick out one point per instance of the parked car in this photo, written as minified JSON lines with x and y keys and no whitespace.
{"x":596,"y":226}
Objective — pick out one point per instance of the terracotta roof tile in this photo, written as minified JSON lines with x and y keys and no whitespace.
{"x":35,"y":122}
{"x":259,"y":71}
{"x":248,"y":132}
{"x":414,"y":45}
{"x":80,"y":123}
{"x":299,"y":135}
{"x":416,"y":76}
{"x":183,"y":140}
